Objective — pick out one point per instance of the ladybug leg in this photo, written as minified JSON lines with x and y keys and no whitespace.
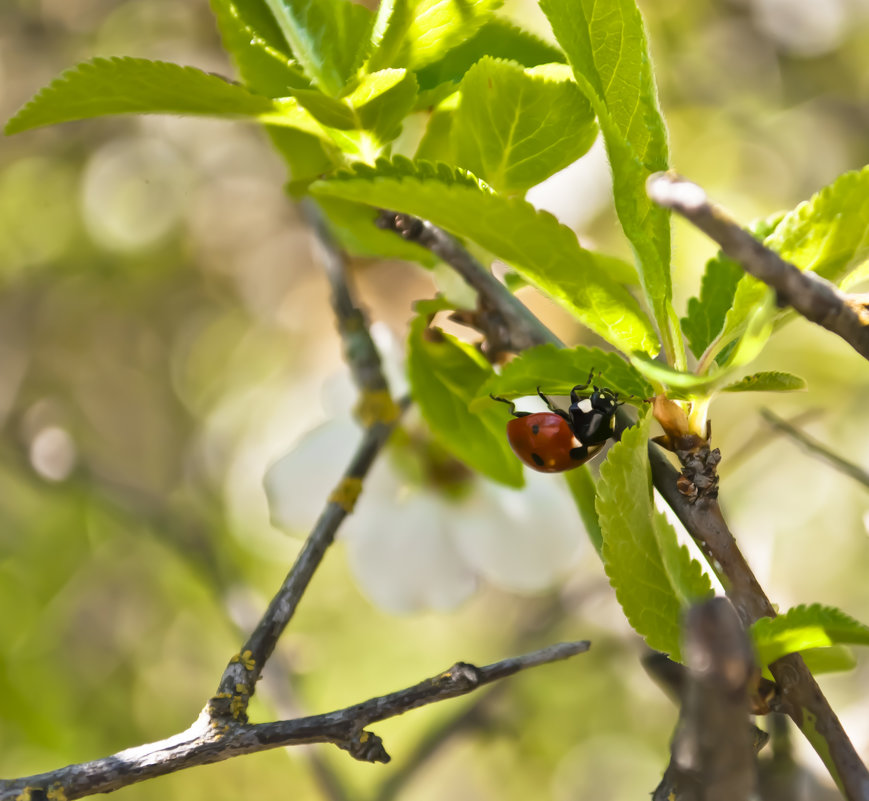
{"x":574,"y":397}
{"x":555,"y":409}
{"x":511,"y":405}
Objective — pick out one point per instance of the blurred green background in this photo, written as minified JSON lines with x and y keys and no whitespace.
{"x":165,"y":335}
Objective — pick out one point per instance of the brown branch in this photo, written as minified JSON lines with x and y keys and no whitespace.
{"x":208,"y":741}
{"x":713,"y":748}
{"x":360,"y":351}
{"x":509,"y":322}
{"x":812,"y":296}
{"x":817,"y":448}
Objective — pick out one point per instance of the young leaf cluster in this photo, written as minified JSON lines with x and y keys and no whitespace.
{"x":340,"y":89}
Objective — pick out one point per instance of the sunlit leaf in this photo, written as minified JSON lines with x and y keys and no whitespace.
{"x":413,"y":33}
{"x":514,"y":128}
{"x":106,"y":86}
{"x":767,"y":382}
{"x":259,"y":50}
{"x":545,"y":252}
{"x":605,"y":43}
{"x":654,"y":577}
{"x":803,"y":627}
{"x":329,"y":38}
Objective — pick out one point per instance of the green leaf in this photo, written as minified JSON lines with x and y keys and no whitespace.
{"x":307,"y":156}
{"x":829,"y":233}
{"x":803,"y":627}
{"x":253,"y":39}
{"x":605,"y":43}
{"x":654,"y":577}
{"x":328,"y":37}
{"x":678,"y":384}
{"x":412,"y":33}
{"x":138,"y":86}
{"x":435,"y":144}
{"x":557,"y":370}
{"x":767,"y":382}
{"x":706,"y":314}
{"x":514,"y":128}
{"x":835,"y":659}
{"x":382,"y":100}
{"x":445,"y":375}
{"x":542,"y":250}
{"x":582,"y":488}
{"x":497,"y":38}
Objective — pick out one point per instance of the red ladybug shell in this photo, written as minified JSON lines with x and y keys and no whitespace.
{"x":545,"y":442}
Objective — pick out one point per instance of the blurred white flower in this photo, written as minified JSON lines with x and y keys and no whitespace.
{"x":412,"y":547}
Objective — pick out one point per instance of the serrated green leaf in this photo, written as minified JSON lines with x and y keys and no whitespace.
{"x":329,"y":38}
{"x":829,"y":233}
{"x":653,"y":576}
{"x":803,"y":627}
{"x":413,"y":33}
{"x":251,"y":36}
{"x":605,"y":43}
{"x":498,"y":38}
{"x":557,"y":370}
{"x":582,"y":488}
{"x":514,"y":128}
{"x":444,"y":377}
{"x":137,"y":86}
{"x":767,"y":382}
{"x":705,"y":317}
{"x":835,"y":659}
{"x":678,"y":384}
{"x":377,"y":105}
{"x":542,"y":250}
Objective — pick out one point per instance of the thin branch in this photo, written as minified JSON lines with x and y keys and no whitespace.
{"x":208,"y":741}
{"x":243,"y":671}
{"x":359,"y":349}
{"x":513,"y":322}
{"x":713,"y":747}
{"x":817,"y":448}
{"x":812,"y":296}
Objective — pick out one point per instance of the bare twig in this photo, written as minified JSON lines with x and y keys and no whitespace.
{"x":509,"y":320}
{"x":713,"y":749}
{"x":817,"y":448}
{"x":801,"y":698}
{"x":207,"y":741}
{"x":359,"y":349}
{"x":812,"y":296}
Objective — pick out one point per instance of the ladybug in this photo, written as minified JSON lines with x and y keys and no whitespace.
{"x":555,"y":441}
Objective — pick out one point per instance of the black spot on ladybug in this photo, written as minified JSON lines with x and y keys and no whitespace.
{"x":535,"y":429}
{"x":537,"y":460}
{"x":578,"y":453}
